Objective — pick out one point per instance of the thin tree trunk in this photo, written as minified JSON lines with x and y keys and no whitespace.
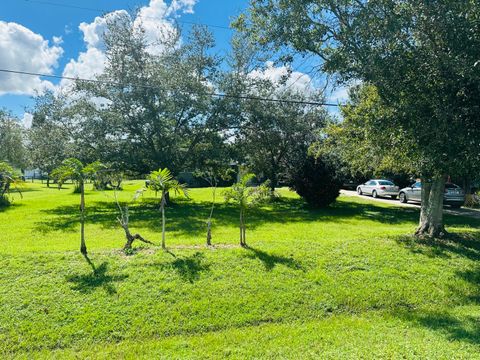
{"x":244,"y":233}
{"x":163,"y":220}
{"x":241,"y":227}
{"x":48,"y":181}
{"x":431,"y":214}
{"x":209,"y":222}
{"x":83,"y":246}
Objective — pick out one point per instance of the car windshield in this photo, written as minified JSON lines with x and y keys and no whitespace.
{"x":384,"y":182}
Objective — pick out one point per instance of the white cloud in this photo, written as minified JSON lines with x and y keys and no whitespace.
{"x":88,"y":64}
{"x":185,"y":6}
{"x":156,"y":19}
{"x":27,"y":120}
{"x":339,"y":95}
{"x":282,"y":75}
{"x":57,"y":40}
{"x":93,"y":32}
{"x":23,"y":50}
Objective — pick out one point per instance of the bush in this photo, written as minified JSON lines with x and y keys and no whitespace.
{"x":8,"y":180}
{"x":316,"y":182}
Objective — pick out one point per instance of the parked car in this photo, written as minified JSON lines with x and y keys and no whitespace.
{"x":378,"y":187}
{"x":453,"y":196}
{"x":349,"y":185}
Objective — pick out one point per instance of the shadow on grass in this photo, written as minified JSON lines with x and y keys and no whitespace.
{"x":461,"y":328}
{"x":271,"y":260}
{"x":11,"y":206}
{"x":189,"y":268}
{"x":464,"y":328}
{"x":462,"y":244}
{"x":189,"y":217}
{"x":87,"y":283}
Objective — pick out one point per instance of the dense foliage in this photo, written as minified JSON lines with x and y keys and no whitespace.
{"x":12,"y":145}
{"x":422,"y":58}
{"x":316,"y":182}
{"x":8,"y":180}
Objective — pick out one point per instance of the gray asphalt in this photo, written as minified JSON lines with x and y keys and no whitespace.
{"x":474,"y":213}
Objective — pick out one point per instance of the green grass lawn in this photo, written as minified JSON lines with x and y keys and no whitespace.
{"x":340,"y":283}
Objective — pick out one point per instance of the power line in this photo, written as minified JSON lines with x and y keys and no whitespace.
{"x":240,"y":97}
{"x":103,"y":11}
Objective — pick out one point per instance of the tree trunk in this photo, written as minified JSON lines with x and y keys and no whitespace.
{"x":48,"y":181}
{"x":243,"y":241}
{"x":83,"y":246}
{"x":162,"y":206}
{"x":209,"y":222}
{"x":241,"y":227}
{"x":209,"y":233}
{"x":273,"y":182}
{"x":431,"y":214}
{"x":244,"y":234}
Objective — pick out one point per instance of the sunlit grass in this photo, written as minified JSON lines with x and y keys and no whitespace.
{"x":344,"y":282}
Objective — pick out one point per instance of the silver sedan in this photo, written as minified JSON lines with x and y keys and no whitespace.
{"x":453,"y":194}
{"x":378,"y":187}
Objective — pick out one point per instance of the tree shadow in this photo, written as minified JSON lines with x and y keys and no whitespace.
{"x":87,"y":283}
{"x":188,"y":217}
{"x":11,"y":206}
{"x":271,"y":260}
{"x":464,"y":244}
{"x":466,"y":328}
{"x":455,"y":327}
{"x":189,"y":268}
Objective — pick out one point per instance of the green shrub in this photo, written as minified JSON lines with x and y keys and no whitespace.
{"x":316,"y":182}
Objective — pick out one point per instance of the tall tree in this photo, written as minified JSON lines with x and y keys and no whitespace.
{"x":12,"y":140}
{"x":157,"y":102}
{"x":269,"y":135}
{"x":273,"y":137}
{"x":47,"y":146}
{"x":422,"y":57}
{"x":360,"y":145}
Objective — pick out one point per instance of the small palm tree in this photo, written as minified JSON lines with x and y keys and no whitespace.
{"x":8,"y":179}
{"x":74,"y":170}
{"x":162,"y":181}
{"x":245,"y":196}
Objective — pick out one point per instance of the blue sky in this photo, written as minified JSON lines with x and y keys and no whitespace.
{"x":46,"y":36}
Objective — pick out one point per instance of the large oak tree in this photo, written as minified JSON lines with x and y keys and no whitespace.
{"x":423,"y":57}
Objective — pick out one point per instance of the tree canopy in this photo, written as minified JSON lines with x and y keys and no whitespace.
{"x":423,"y":58}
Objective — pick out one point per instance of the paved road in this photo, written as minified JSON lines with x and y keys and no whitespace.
{"x":474,"y":213}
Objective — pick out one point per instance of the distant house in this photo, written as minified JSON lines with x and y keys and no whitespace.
{"x":32,"y":174}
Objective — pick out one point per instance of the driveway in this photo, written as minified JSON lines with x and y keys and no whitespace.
{"x":474,"y":213}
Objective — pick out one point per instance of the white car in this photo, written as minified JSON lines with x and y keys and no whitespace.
{"x":378,"y":188}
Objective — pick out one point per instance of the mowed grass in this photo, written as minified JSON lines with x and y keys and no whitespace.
{"x":344,"y":282}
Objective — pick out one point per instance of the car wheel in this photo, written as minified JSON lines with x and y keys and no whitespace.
{"x":403,"y":198}
{"x":359,"y":191}
{"x":374,"y":194}
{"x":393,"y":197}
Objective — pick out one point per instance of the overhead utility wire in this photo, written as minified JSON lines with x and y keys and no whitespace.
{"x":102,"y":11}
{"x":242,"y":97}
